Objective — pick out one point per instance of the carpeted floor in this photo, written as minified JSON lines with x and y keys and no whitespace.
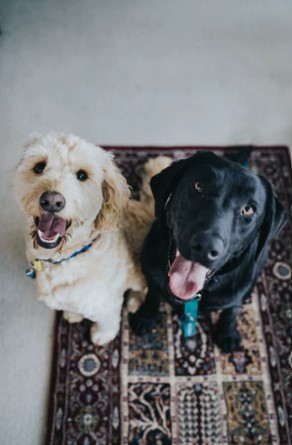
{"x":163,"y":389}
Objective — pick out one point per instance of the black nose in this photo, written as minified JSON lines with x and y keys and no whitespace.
{"x":206,"y":247}
{"x":52,"y":202}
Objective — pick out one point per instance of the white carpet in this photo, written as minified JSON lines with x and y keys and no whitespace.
{"x":118,"y":72}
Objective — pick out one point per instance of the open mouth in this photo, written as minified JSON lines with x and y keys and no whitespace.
{"x":50,"y":230}
{"x":186,"y":278}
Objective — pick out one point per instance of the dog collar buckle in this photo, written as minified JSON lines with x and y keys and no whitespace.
{"x":189,"y":321}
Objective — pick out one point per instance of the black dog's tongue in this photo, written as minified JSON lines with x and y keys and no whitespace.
{"x":186,"y":278}
{"x":50,"y":225}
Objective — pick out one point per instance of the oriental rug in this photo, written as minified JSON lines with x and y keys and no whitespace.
{"x":162,"y":389}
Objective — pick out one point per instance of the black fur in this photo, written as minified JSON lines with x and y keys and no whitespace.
{"x":208,"y":227}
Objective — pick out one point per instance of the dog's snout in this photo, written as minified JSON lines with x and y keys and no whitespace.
{"x":52,"y":201}
{"x":207,"y":247}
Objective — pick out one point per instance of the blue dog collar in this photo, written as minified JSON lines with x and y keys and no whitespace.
{"x":189,"y":321}
{"x":37,"y":263}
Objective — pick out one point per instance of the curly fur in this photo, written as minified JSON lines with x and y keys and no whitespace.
{"x":92,"y":284}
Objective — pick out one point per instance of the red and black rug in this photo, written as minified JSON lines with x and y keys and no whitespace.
{"x":163,"y":389}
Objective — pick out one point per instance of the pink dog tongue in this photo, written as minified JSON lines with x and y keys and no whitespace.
{"x":186,"y":278}
{"x":50,"y":225}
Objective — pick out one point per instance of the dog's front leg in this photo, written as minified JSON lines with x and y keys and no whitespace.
{"x":106,"y":329}
{"x":144,"y":319}
{"x":226,"y":335}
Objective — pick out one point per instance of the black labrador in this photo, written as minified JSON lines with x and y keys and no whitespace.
{"x":214,"y":221}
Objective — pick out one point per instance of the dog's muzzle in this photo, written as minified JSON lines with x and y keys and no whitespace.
{"x":50,"y":230}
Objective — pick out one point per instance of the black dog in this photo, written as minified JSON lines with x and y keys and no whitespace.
{"x":214,"y":220}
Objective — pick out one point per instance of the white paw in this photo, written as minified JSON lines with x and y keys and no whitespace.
{"x":72,"y":317}
{"x":101,"y":337}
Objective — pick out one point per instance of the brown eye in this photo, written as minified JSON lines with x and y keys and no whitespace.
{"x":39,"y":167}
{"x":248,"y":210}
{"x":81,"y":175}
{"x":199,"y":186}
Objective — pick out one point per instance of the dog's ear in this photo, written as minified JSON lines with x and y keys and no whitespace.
{"x":116,"y":193}
{"x":275,"y":218}
{"x":163,"y":184}
{"x":241,"y":156}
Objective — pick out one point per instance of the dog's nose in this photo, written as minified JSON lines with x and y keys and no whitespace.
{"x":52,"y":202}
{"x":207,"y":247}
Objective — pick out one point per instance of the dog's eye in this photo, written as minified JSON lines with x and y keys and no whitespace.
{"x":39,"y":167}
{"x":82,"y":175}
{"x":248,"y":210}
{"x":199,"y":186}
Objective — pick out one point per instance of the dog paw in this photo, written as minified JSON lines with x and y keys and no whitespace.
{"x":140,"y":325}
{"x":72,"y":317}
{"x":227,"y":341}
{"x":100,"y":337}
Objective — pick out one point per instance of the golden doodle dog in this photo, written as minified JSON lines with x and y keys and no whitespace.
{"x":84,"y":233}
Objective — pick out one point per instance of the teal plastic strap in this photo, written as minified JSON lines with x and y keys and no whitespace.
{"x":189,"y":321}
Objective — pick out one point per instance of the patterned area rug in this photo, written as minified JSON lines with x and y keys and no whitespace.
{"x":163,"y":389}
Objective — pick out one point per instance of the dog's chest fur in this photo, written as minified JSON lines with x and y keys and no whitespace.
{"x":90,"y":280}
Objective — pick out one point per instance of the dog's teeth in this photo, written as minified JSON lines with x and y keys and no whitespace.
{"x":45,"y":240}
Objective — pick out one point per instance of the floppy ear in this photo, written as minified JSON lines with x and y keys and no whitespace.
{"x":116,"y":194}
{"x":164,"y":183}
{"x":274,"y":220}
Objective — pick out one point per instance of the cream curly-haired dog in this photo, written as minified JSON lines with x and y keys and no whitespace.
{"x":84,"y":234}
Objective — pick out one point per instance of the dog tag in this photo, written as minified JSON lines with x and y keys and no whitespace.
{"x":31,"y":273}
{"x":37,"y":265}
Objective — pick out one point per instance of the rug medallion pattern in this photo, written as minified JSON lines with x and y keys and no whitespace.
{"x":163,"y":389}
